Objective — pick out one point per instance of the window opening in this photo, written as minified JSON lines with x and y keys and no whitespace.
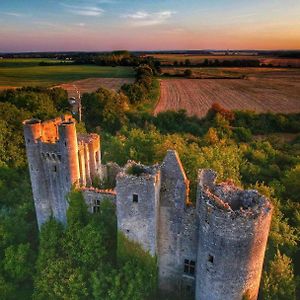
{"x":135,"y":198}
{"x":189,"y":267}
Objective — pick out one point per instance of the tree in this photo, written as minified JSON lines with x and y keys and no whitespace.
{"x":188,"y":73}
{"x":292,"y":183}
{"x":18,"y":262}
{"x":279,"y":282}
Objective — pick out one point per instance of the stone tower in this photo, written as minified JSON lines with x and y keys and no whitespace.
{"x":233,"y":231}
{"x":57,"y":160}
{"x":137,"y":192}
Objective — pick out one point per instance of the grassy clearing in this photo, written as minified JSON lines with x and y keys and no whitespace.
{"x":23,"y":72}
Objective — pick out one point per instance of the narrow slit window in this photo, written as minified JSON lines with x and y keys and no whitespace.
{"x":210,"y":258}
{"x":55,"y":169}
{"x":135,"y":198}
{"x":97,"y":156}
{"x":189,"y":267}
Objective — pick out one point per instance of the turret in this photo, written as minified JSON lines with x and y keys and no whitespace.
{"x":233,"y":231}
{"x":69,"y":151}
{"x":94,"y":155}
{"x":32,"y":134}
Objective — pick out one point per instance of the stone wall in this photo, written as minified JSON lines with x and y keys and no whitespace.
{"x":93,"y":197}
{"x":137,"y":205}
{"x":177,"y":226}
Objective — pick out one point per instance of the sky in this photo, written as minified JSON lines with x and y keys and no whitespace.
{"x":98,"y":25}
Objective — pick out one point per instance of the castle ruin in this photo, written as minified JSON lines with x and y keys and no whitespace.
{"x":213,"y":250}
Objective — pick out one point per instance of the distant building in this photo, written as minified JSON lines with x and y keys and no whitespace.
{"x":213,"y":250}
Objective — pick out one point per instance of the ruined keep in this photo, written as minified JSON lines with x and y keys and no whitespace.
{"x":58,"y":158}
{"x":213,"y":250}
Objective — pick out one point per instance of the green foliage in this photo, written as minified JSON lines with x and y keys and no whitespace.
{"x":105,"y":108}
{"x":77,"y":213}
{"x":135,"y":170}
{"x":134,"y":278}
{"x":140,"y":90}
{"x":18,"y":262}
{"x":68,"y":257}
{"x":60,"y":280}
{"x":291,"y":182}
{"x":279,"y":283}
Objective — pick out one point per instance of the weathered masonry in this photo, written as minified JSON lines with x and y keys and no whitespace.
{"x":213,"y":250}
{"x":59,"y":158}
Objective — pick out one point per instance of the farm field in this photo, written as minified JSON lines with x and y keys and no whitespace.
{"x":92,"y":84}
{"x":23,"y":72}
{"x":250,"y":73}
{"x":196,"y":58}
{"x":271,"y":92}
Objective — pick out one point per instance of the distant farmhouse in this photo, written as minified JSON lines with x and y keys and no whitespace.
{"x":213,"y":250}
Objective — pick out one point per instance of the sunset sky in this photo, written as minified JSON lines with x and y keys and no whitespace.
{"x":92,"y":25}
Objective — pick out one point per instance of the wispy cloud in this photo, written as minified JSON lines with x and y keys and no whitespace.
{"x":46,"y":24}
{"x":91,"y":11}
{"x":143,"y":18}
{"x":14,"y":14}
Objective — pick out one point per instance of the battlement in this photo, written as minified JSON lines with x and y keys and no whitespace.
{"x":99,"y":191}
{"x":47,"y":131}
{"x":228,"y":197}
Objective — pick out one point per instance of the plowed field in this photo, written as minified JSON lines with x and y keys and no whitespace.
{"x":261,"y":95}
{"x":92,"y":84}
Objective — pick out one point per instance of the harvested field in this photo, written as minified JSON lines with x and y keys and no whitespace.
{"x":166,"y":59}
{"x":92,"y":84}
{"x":278,"y":94}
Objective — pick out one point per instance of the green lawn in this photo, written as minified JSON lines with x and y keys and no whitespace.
{"x":27,"y":72}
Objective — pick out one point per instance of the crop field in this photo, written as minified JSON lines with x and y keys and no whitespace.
{"x":92,"y":84}
{"x":268,"y":92}
{"x":196,"y":58}
{"x":27,"y":72}
{"x":250,"y":73}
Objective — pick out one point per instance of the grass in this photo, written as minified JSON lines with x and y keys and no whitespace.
{"x":27,"y":72}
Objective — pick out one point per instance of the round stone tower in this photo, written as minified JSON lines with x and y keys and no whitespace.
{"x":69,"y":151}
{"x":32,"y":133}
{"x":233,"y":231}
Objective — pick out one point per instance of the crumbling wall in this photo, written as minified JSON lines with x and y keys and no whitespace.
{"x":177,"y":226}
{"x":94,"y":197}
{"x":137,"y":206}
{"x":233,"y":232}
